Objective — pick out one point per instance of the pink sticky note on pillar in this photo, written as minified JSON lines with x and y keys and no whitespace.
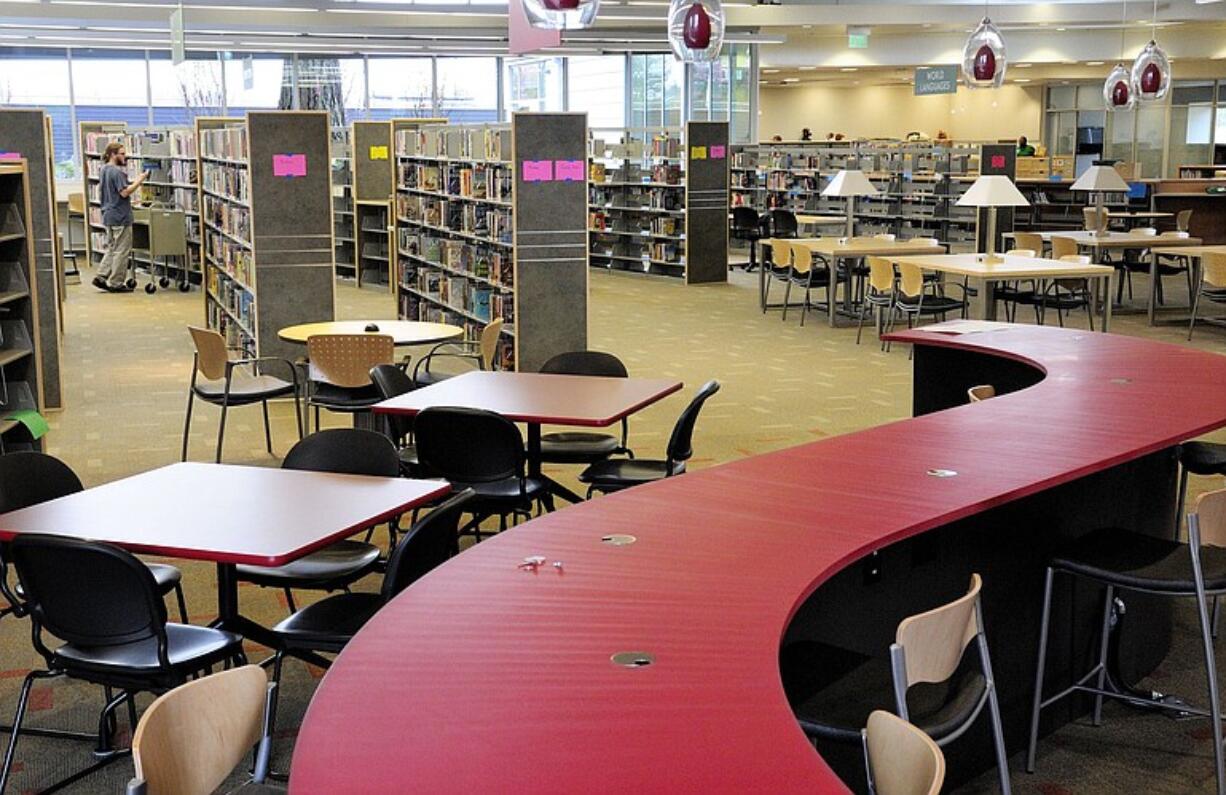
{"x":717,"y":152}
{"x":569,"y":171}
{"x":10,"y":155}
{"x":289,"y":165}
{"x":998,"y":161}
{"x":538,"y":170}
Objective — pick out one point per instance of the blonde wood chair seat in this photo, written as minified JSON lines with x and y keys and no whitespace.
{"x":1212,"y":287}
{"x":339,"y":368}
{"x":978,"y":394}
{"x":481,"y":353}
{"x":901,"y":759}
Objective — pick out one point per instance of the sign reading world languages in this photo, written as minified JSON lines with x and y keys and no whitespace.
{"x":936,"y":80}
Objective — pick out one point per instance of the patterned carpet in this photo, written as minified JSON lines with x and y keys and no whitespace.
{"x":127,"y":359}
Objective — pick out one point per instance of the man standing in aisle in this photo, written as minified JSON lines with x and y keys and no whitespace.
{"x":116,"y":194}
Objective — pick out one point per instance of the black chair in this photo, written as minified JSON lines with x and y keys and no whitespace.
{"x":104,"y":605}
{"x":392,"y":381}
{"x":615,"y":474}
{"x":347,"y":451}
{"x":327,"y":625}
{"x":747,"y":225}
{"x":584,"y":447}
{"x":30,"y":478}
{"x":783,"y":223}
{"x":482,"y":451}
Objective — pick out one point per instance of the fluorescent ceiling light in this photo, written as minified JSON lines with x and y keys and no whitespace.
{"x":807,"y":68}
{"x":849,"y":69}
{"x":791,"y":79}
{"x":1094,"y":63}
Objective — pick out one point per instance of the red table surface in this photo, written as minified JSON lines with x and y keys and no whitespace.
{"x":222,"y":513}
{"x":483,"y":677}
{"x":581,"y":400}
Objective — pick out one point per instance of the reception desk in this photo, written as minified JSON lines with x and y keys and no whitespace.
{"x":653,"y":666}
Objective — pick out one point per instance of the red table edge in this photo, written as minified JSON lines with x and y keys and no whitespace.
{"x":269,"y":561}
{"x":536,"y":419}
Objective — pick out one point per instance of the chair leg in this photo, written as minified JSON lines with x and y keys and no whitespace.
{"x":182,"y":602}
{"x":187,"y":423}
{"x":267,"y":428}
{"x":860,"y":325}
{"x":1216,"y":605}
{"x":289,"y":598}
{"x":786,"y":297}
{"x":998,"y":733}
{"x":1181,"y":499}
{"x":278,"y":661}
{"x":1192,"y":321}
{"x":22,"y":702}
{"x":1215,"y":708}
{"x":1102,"y":655}
{"x":1038,"y":674}
{"x":221,"y":429}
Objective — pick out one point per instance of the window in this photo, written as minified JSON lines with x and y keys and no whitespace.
{"x":596,"y":85}
{"x":326,"y":84}
{"x":257,"y":81}
{"x":1192,"y":124}
{"x":467,"y":89}
{"x":401,"y":87}
{"x":532,"y":84}
{"x":721,"y":90}
{"x":181,"y":93}
{"x":36,"y":79}
{"x":111,"y":87}
{"x":655,"y":90}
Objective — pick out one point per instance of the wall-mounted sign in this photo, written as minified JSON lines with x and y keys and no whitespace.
{"x":936,"y":80}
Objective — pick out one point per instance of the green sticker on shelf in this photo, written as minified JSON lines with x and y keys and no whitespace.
{"x":34,"y":423}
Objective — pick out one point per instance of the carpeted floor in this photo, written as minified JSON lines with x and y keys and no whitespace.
{"x":127,"y":359}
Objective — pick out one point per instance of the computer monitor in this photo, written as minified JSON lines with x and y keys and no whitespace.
{"x":1138,"y":191}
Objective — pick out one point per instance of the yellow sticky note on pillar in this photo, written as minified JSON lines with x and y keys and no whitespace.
{"x":378,"y":153}
{"x":698,"y":153}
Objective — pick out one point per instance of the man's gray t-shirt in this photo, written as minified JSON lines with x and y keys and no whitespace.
{"x":116,"y":208}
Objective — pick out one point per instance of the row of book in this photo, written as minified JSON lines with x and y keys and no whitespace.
{"x":182,"y":172}
{"x":492,"y":223}
{"x":231,"y":181}
{"x":226,"y":143}
{"x":229,"y":256}
{"x":182,"y":143}
{"x":669,"y":253}
{"x":229,"y":217}
{"x":636,"y":199}
{"x":483,"y":262}
{"x":478,"y":142}
{"x":96,"y":142}
{"x":234,"y":331}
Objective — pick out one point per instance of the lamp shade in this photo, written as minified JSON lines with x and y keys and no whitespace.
{"x":849,"y":183}
{"x":561,"y":14}
{"x":983,"y":57}
{"x":1101,"y":178}
{"x":695,"y":29}
{"x":993,"y":190}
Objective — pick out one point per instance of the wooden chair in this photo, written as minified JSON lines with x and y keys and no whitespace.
{"x":901,"y":759}
{"x":226,"y":382}
{"x":1212,"y":286}
{"x":191,"y":738}
{"x":1066,"y":295}
{"x":914,"y":297}
{"x":1095,"y":221}
{"x":879,"y":294}
{"x":804,"y":274}
{"x":481,"y":353}
{"x":1025,"y":244}
{"x":339,"y":369}
{"x":978,"y":394}
{"x":1173,"y":265}
{"x":1183,"y":220}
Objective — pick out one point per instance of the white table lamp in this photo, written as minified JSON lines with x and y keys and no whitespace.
{"x":992,"y":191}
{"x":849,"y":184}
{"x":1100,"y":180}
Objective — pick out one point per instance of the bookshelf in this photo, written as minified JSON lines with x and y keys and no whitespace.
{"x":490,"y":224}
{"x":642,"y":202}
{"x":25,"y":134}
{"x":20,"y":387}
{"x":266,"y":226}
{"x":342,"y":205}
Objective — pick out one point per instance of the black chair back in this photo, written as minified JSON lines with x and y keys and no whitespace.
{"x":29,"y":478}
{"x":586,"y":363}
{"x":392,"y":382}
{"x":468,"y":445}
{"x":681,"y":443}
{"x":429,"y":542}
{"x":746,"y":224}
{"x":345,"y":451}
{"x":784,"y":224}
{"x":86,"y":593}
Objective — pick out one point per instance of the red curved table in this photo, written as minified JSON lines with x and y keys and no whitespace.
{"x":484,"y":677}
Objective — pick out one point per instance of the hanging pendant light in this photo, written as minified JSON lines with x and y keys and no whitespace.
{"x":983,"y":57}
{"x":561,"y":14}
{"x":696,"y":29}
{"x":1117,"y":88}
{"x":1151,"y":71}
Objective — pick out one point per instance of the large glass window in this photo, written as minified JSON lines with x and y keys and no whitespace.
{"x":1151,"y":132}
{"x":467,"y":89}
{"x":596,"y":85}
{"x":401,"y":87}
{"x":655,"y":90}
{"x":257,"y":81}
{"x":721,"y":90}
{"x":181,"y":93}
{"x":111,"y":87}
{"x":532,"y":84}
{"x":31,"y":79}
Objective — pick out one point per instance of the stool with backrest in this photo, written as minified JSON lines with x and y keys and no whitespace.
{"x":747,"y":226}
{"x":103,"y":605}
{"x":1126,"y":560}
{"x":928,"y":656}
{"x":481,"y":353}
{"x":191,"y":739}
{"x":879,"y":294}
{"x":339,"y":367}
{"x":899,"y":758}
{"x":226,"y":382}
{"x":615,"y":474}
{"x":345,"y":451}
{"x":392,"y":381}
{"x":29,"y":478}
{"x":1212,"y":287}
{"x":585,"y":447}
{"x":329,"y":624}
{"x":482,"y":451}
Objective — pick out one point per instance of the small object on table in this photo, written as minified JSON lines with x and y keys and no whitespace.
{"x":372,"y":327}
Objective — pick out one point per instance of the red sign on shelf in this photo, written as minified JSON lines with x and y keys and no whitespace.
{"x":998,"y":161}
{"x":569,"y":171}
{"x":538,"y":171}
{"x":289,"y":165}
